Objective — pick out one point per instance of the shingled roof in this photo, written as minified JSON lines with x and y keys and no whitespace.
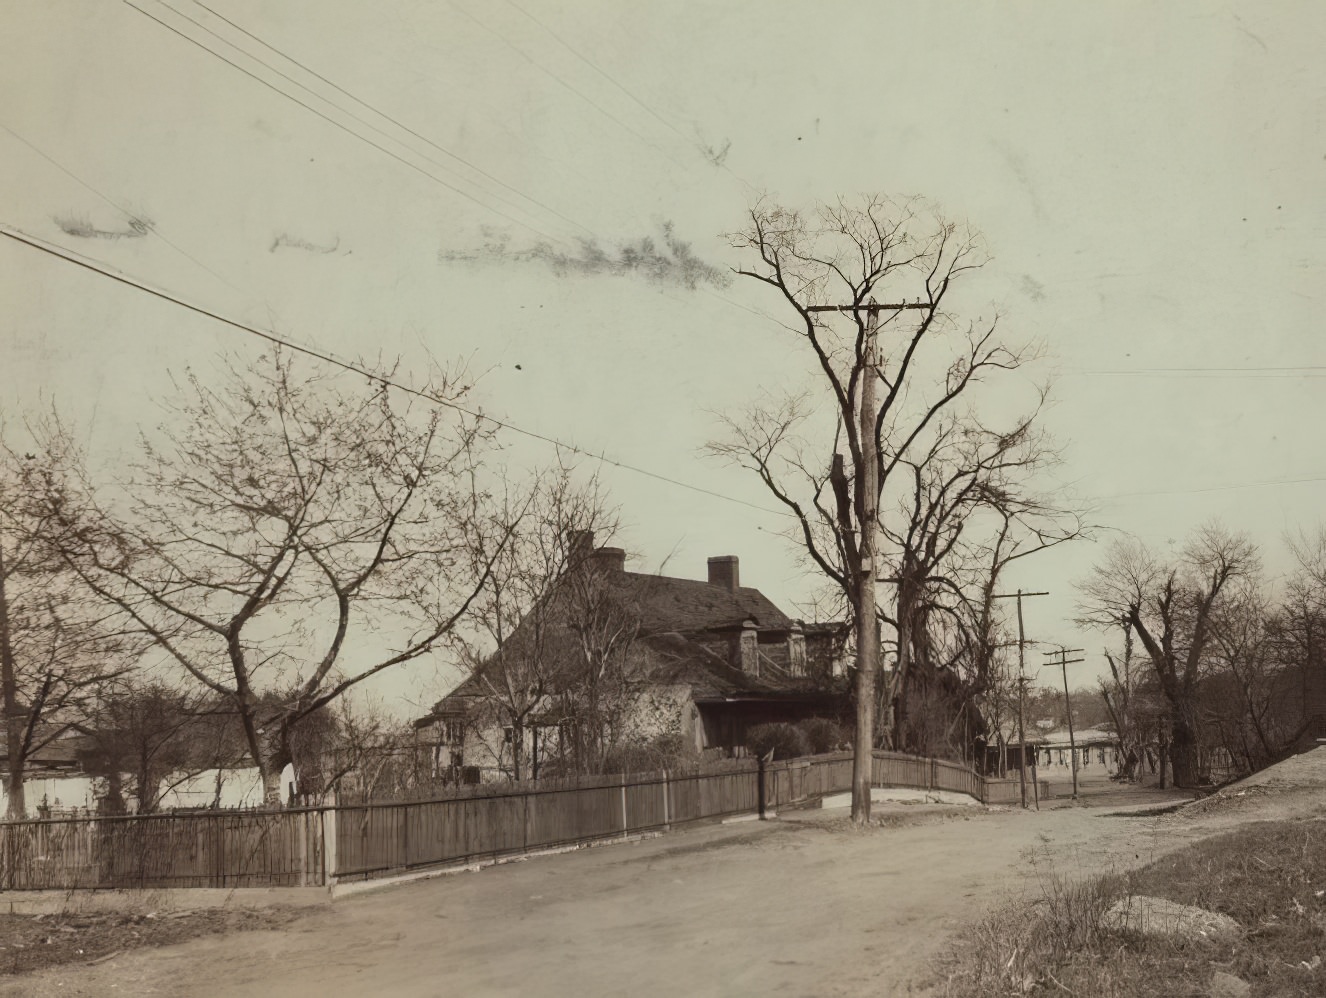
{"x":688,"y":605}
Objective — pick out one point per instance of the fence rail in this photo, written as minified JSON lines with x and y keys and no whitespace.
{"x":309,"y":847}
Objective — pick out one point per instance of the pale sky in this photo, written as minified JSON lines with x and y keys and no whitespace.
{"x":1150,"y":178}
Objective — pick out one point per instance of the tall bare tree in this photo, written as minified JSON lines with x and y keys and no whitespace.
{"x":287,"y":536}
{"x":1172,"y":606}
{"x":810,"y":450}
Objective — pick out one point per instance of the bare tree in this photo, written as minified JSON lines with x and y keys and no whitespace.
{"x":811,"y":457}
{"x":57,"y":649}
{"x":969,"y":516}
{"x":554,"y":630}
{"x":1171,"y":607}
{"x":285,"y":538}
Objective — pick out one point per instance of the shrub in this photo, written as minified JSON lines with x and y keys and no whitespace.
{"x":786,"y":740}
{"x":823,"y":735}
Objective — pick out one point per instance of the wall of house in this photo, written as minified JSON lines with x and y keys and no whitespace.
{"x":59,"y":793}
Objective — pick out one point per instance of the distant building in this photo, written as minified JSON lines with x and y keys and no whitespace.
{"x":1097,"y":748}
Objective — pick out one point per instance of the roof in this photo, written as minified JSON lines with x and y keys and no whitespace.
{"x":677,"y":660}
{"x":55,"y":752}
{"x":686,"y":605}
{"x":1099,"y":734}
{"x":670,"y":609}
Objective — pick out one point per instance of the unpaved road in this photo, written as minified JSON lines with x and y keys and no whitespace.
{"x":805,"y":905}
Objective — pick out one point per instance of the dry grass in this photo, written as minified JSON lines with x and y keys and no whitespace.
{"x":29,"y":942}
{"x":1269,"y":876}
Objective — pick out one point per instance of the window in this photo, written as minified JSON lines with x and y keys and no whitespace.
{"x":453,"y":731}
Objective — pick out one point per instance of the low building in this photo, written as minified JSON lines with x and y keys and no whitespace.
{"x":1096,"y":748}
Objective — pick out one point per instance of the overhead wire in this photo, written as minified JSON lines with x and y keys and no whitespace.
{"x":338,"y":124}
{"x":706,"y":153}
{"x":132,"y":215}
{"x":548,"y":72}
{"x":337,"y":87}
{"x":376,"y":110}
{"x":88,"y":263}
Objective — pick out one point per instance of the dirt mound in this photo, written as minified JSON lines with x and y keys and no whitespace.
{"x":1305,"y":770}
{"x":1294,"y":784}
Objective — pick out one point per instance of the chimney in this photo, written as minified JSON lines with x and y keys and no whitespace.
{"x":745,"y":648}
{"x":724,"y":571}
{"x":579,"y":547}
{"x":610,"y":559}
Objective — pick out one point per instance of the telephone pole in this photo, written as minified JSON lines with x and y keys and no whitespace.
{"x":867,"y":488}
{"x":1022,"y":699}
{"x":1064,"y":662}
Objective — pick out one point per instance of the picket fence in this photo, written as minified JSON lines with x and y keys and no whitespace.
{"x":317,"y":846}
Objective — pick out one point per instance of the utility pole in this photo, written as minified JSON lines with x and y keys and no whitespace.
{"x":867,"y":493}
{"x":1064,"y":662}
{"x":1022,"y":699}
{"x":867,"y":633}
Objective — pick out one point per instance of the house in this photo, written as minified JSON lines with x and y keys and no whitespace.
{"x":710,"y":659}
{"x":53,"y":777}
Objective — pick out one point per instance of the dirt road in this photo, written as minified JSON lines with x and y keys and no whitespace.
{"x":805,"y":905}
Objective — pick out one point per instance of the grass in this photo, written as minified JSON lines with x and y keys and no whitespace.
{"x":1269,"y":876}
{"x":31,"y":942}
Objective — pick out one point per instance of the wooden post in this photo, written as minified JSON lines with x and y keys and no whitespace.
{"x":624,"y":823}
{"x":867,"y":640}
{"x":667,"y":817}
{"x":303,"y":848}
{"x":329,"y":847}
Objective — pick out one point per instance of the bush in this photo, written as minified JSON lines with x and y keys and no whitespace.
{"x":823,"y":735}
{"x":786,"y":740}
{"x":660,"y":752}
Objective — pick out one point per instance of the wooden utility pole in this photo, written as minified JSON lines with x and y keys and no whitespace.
{"x":867,"y":570}
{"x":1064,"y":662}
{"x":1022,"y":698}
{"x":867,"y":625}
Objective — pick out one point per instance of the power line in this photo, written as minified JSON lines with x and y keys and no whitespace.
{"x":707,"y":154}
{"x":538,"y":65}
{"x":331,"y":120}
{"x":1301,"y":370}
{"x":33,"y":242}
{"x":1216,"y":488}
{"x":133,"y":216}
{"x":383,"y":114}
{"x":376,"y":110}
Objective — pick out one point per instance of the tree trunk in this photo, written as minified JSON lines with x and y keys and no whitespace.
{"x":517,"y":751}
{"x":15,"y":716}
{"x":1183,"y":752}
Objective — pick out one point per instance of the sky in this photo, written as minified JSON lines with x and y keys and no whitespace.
{"x":1149,"y":177}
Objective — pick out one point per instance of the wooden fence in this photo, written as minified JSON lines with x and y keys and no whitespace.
{"x":309,"y":847}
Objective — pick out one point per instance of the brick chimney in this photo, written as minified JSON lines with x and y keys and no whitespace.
{"x":724,"y":571}
{"x":610,"y":559}
{"x":579,"y":547}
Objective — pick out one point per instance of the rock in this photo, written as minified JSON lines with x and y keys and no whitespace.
{"x":1228,"y":986}
{"x":1150,"y":916}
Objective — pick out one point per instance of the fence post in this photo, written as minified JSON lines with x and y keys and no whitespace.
{"x":625,"y":826}
{"x":329,"y":848}
{"x":303,"y":848}
{"x":524,"y":823}
{"x":667,"y":817}
{"x":405,"y":835}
